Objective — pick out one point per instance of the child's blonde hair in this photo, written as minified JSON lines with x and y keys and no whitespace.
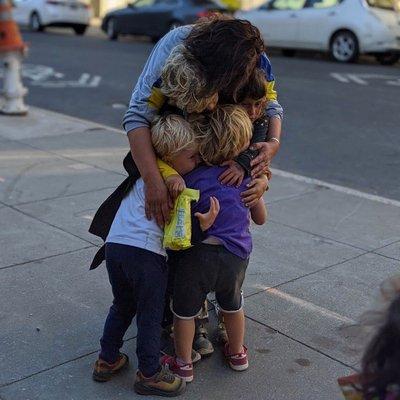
{"x":222,"y":134}
{"x":184,"y":83}
{"x":171,"y":134}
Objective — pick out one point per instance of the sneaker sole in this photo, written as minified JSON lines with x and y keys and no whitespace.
{"x":145,"y":390}
{"x":205,"y":352}
{"x":106,"y":376}
{"x":187,"y":379}
{"x":239,"y":368}
{"x":196,"y":358}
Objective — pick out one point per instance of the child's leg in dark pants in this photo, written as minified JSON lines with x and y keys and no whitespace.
{"x":123,"y":308}
{"x":138,"y":278}
{"x":150,"y":289}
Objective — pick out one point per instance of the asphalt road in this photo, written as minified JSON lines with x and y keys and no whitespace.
{"x":342,"y":122}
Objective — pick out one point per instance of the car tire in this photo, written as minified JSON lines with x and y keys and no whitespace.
{"x":288,"y":52}
{"x":111,"y":29}
{"x":80,"y":29}
{"x":387,"y":58}
{"x":35,"y":22}
{"x":344,"y":47}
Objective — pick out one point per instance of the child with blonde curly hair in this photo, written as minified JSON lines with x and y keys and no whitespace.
{"x":136,"y":263}
{"x":220,"y":261}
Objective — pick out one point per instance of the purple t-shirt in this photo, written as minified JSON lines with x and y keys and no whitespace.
{"x":232,"y":225}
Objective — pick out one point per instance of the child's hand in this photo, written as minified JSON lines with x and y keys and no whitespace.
{"x":256,"y":188}
{"x":234,"y":174}
{"x":175,"y":185}
{"x":207,"y":219}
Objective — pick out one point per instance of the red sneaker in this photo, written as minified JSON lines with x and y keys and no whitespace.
{"x":185,"y":372}
{"x":239,"y":361}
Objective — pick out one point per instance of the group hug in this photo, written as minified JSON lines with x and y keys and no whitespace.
{"x":203,"y":125}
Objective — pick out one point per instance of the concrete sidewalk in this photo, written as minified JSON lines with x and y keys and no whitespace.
{"x":316,"y":267}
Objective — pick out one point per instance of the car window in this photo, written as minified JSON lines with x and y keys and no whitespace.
{"x":322,"y":3}
{"x":203,"y":3}
{"x":142,"y":3}
{"x":286,"y":4}
{"x":169,"y":2}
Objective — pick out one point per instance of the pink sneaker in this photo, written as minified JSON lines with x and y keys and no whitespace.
{"x":185,"y":372}
{"x":239,"y":361}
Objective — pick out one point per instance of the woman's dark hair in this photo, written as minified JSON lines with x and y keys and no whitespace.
{"x":381,"y":361}
{"x":255,"y":87}
{"x":227,"y":51}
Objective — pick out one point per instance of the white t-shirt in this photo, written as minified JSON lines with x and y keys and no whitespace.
{"x":132,"y":228}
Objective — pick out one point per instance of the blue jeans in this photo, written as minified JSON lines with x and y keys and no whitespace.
{"x":138,"y":278}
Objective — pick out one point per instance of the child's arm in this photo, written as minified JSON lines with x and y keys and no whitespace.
{"x":174,"y":182}
{"x":259,"y":212}
{"x":256,"y":188}
{"x":207,"y":219}
{"x":241,"y":166}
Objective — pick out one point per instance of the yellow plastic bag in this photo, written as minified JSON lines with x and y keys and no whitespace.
{"x":178,"y":233}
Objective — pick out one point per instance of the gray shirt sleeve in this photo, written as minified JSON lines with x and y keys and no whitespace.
{"x":147,"y":98}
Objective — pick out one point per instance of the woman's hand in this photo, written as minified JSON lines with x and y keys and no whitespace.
{"x":267,"y":151}
{"x":233,"y":175}
{"x":158,"y":203}
{"x":256,"y":188}
{"x":175,"y":185}
{"x":207,"y":219}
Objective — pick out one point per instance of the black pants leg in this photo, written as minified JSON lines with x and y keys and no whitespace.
{"x":138,"y":278}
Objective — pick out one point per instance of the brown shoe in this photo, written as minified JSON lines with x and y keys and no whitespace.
{"x":164,"y":383}
{"x":103,"y":371}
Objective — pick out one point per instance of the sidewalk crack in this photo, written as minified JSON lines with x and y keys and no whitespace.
{"x":52,"y":225}
{"x":302,"y":343}
{"x":317,"y":235}
{"x":47,"y":257}
{"x":56,"y":366}
{"x":307,"y":275}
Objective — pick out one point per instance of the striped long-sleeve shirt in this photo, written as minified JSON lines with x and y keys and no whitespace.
{"x":147,"y":99}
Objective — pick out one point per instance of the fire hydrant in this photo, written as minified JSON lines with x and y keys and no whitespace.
{"x":12,"y":50}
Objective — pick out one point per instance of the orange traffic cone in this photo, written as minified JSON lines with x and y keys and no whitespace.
{"x":12,"y":48}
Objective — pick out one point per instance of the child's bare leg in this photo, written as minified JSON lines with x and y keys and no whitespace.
{"x":183,"y":337}
{"x":234,"y":323}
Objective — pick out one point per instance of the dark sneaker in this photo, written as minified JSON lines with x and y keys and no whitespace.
{"x":237,"y":362}
{"x":221,"y":335}
{"x":201,"y":343}
{"x":185,"y":372}
{"x":164,"y":383}
{"x":103,"y":371}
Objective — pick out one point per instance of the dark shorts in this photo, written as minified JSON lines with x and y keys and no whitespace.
{"x":202,"y":269}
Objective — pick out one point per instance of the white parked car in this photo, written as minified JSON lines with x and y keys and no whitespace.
{"x":37,"y":14}
{"x":344,"y":28}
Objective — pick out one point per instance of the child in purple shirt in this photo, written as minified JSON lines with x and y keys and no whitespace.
{"x":220,"y":261}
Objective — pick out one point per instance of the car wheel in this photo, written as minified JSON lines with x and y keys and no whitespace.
{"x":288,"y":52}
{"x":111,"y":30}
{"x":80,"y":29}
{"x":35,"y":23}
{"x":174,"y":24}
{"x":344,"y":47}
{"x":387,"y":58}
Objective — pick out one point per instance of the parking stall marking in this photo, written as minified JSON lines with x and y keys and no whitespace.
{"x":48,"y":77}
{"x":364,"y":79}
